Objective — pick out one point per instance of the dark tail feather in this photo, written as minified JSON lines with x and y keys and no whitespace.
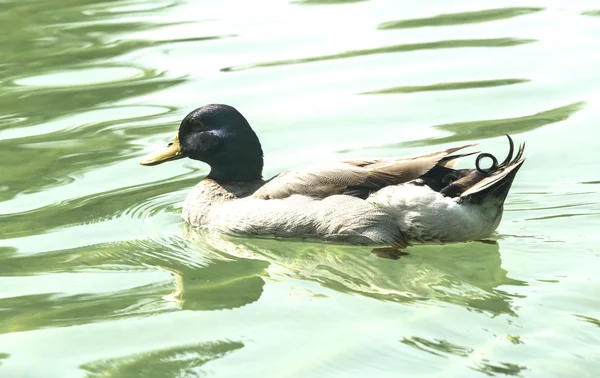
{"x":498,"y":182}
{"x":450,"y":161}
{"x":510,"y":151}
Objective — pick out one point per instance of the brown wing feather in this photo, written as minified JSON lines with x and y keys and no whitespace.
{"x":322,"y":180}
{"x":318,"y":180}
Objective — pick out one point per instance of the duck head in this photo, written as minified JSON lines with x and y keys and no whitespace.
{"x":219,"y":136}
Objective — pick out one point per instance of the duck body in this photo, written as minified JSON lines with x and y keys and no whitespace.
{"x":367,"y":202}
{"x":426,"y":216}
{"x":338,"y":218}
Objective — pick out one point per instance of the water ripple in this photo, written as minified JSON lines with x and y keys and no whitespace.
{"x":179,"y":361}
{"x":439,"y":273}
{"x":448,"y":86}
{"x":436,"y":347}
{"x":493,"y":368}
{"x":129,"y":7}
{"x":562,"y":216}
{"x":30,"y":312}
{"x":484,"y":129}
{"x":460,"y":18}
{"x":92,"y":244}
{"x":448,"y":44}
{"x":326,"y":2}
{"x":147,"y":200}
{"x":595,"y":13}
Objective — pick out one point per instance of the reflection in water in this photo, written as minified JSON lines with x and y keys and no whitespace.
{"x":30,"y":312}
{"x":57,"y":158}
{"x":443,"y":348}
{"x":463,"y":274}
{"x":448,"y":86}
{"x":215,"y":272}
{"x":561,"y":216}
{"x":181,"y":361}
{"x":437,"y":347}
{"x":147,"y":200}
{"x":67,"y":43}
{"x":52,"y":41}
{"x":476,"y":130}
{"x":589,"y":319}
{"x":90,"y":243}
{"x":59,"y":74}
{"x":326,"y":2}
{"x":448,"y":44}
{"x":459,"y":18}
{"x":89,"y":76}
{"x":503,"y":368}
{"x":200,"y":283}
{"x":222,"y":285}
{"x":498,"y":127}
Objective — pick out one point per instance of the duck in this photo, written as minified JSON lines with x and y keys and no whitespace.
{"x":392,"y":202}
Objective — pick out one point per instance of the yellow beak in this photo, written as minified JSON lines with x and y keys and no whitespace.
{"x":171,"y":152}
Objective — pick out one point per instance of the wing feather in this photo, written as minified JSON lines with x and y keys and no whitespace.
{"x":326,"y":179}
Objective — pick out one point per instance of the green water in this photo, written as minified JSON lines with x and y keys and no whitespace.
{"x":99,"y":277}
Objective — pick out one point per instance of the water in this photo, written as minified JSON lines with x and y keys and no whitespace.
{"x":98,"y":276}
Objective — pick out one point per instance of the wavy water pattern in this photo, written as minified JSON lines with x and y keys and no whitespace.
{"x":448,"y":44}
{"x":459,"y":18}
{"x":100,"y":277}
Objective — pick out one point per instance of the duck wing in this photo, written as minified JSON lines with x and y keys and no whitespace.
{"x":353,"y":177}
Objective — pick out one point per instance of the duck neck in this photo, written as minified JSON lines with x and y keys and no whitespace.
{"x":239,"y":170}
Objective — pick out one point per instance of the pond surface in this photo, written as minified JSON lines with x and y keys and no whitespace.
{"x":99,"y":278}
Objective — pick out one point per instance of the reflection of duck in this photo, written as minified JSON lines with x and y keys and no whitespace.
{"x":204,"y":280}
{"x":386,"y":201}
{"x":221,"y":285}
{"x":467,"y":275}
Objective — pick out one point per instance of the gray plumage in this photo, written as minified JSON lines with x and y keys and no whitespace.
{"x":337,"y":218}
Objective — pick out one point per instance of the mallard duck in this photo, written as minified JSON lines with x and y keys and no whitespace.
{"x":391,"y":201}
